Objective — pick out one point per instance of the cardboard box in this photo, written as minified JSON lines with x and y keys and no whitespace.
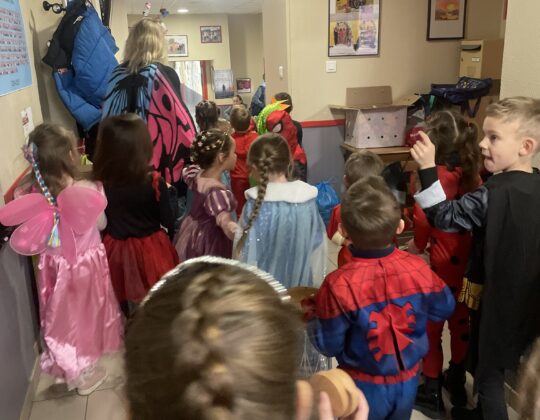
{"x":482,"y":58}
{"x":372,"y":119}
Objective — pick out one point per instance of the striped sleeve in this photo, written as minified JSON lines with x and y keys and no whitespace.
{"x":219,"y":201}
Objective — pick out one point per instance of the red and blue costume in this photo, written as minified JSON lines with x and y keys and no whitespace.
{"x":371,"y":314}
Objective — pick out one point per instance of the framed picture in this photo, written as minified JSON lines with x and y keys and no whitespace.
{"x":177,"y":45}
{"x":243,"y":85}
{"x":223,"y":84}
{"x":210,"y":34}
{"x":446,"y":19}
{"x":353,"y":27}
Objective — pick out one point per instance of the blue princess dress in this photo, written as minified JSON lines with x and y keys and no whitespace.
{"x":287,"y":239}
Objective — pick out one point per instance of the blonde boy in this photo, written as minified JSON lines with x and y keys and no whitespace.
{"x":504,"y":215}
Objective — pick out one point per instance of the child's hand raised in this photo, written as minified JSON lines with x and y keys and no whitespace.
{"x":423,"y":152}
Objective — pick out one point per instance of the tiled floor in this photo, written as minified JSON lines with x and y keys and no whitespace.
{"x":53,"y":401}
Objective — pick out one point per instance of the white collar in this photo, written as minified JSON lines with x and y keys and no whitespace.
{"x":291,"y":192}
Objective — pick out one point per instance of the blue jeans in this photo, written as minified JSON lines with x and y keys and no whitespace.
{"x":390,"y":401}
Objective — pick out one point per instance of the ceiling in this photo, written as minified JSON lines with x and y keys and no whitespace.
{"x":136,"y":7}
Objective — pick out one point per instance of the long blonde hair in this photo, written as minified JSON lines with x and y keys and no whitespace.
{"x":215,"y":341}
{"x":145,"y":45}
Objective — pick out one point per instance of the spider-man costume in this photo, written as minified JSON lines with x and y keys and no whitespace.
{"x":371,"y":314}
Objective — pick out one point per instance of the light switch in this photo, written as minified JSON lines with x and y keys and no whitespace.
{"x":331,"y":66}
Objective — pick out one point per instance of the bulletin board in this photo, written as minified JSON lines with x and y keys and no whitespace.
{"x":15,"y":71}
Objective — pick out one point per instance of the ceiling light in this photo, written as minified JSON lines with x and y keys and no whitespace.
{"x":182,"y":10}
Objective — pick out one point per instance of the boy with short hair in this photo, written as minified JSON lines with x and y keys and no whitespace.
{"x":243,"y":135}
{"x":371,"y":313}
{"x":359,"y":165}
{"x":504,"y":215}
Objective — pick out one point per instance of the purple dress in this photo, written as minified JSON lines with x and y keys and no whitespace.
{"x":203,"y":232}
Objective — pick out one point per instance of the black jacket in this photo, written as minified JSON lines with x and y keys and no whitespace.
{"x":505,"y":211}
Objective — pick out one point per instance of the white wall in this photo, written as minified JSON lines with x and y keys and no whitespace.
{"x":521,"y":60}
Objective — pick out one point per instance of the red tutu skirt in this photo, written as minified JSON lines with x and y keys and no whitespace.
{"x":136,"y":264}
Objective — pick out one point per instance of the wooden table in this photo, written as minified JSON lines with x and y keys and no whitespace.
{"x":387,"y":154}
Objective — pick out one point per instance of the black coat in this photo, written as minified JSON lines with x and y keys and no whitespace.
{"x":506,"y":210}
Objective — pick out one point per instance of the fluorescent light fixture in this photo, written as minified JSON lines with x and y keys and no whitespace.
{"x":183,"y":11}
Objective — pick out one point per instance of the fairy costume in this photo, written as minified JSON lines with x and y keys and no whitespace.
{"x":287,"y":238}
{"x":79,"y":315}
{"x":203,"y":230}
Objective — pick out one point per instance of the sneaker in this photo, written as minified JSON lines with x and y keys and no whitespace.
{"x":92,"y":381}
{"x":460,"y":413}
{"x":454,"y":382}
{"x":429,"y":399}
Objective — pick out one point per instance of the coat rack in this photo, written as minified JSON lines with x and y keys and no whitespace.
{"x":55,"y":7}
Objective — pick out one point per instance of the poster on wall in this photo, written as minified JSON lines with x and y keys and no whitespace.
{"x":223,"y":84}
{"x":446,"y":19}
{"x":353,"y":27}
{"x":177,"y":45}
{"x":15,"y":72}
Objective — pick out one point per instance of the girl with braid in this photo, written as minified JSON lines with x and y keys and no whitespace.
{"x":61,"y":217}
{"x":218,"y":340}
{"x":282,"y":231}
{"x":209,"y":227}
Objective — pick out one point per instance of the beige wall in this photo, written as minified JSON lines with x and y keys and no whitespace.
{"x":247,"y":55}
{"x":12,"y":139}
{"x":119,"y":25}
{"x":521,"y":61}
{"x":484,"y":19}
{"x":190,"y":25}
{"x":407,"y":61}
{"x":277,"y":43}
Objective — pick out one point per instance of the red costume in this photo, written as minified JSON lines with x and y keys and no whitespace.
{"x":344,"y":255}
{"x":240,"y":173}
{"x":449,"y":254}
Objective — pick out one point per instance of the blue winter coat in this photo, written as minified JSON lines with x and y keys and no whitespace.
{"x":83,"y":86}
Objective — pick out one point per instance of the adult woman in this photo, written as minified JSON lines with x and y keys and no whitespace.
{"x":141,"y":84}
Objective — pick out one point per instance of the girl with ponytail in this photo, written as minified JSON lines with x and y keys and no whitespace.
{"x":282,"y":231}
{"x":458,"y":165}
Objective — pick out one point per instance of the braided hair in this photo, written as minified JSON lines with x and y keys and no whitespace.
{"x":206,"y":115}
{"x":208,"y":145}
{"x":213,"y":342}
{"x":456,"y":141}
{"x":269,"y":154}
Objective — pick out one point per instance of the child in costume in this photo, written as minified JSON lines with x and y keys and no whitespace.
{"x":61,"y":217}
{"x":359,"y":165}
{"x":209,"y":227}
{"x":371,"y":314}
{"x":283,"y":232}
{"x":138,"y":249}
{"x":243,"y":136}
{"x":458,"y":162}
{"x":287,"y":100}
{"x":217,"y":339}
{"x":275,"y":119}
{"x":503,"y":215}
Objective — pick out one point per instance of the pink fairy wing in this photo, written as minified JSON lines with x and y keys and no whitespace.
{"x":32,"y":236}
{"x":23,"y":209}
{"x":80,"y":208}
{"x":67,"y":241}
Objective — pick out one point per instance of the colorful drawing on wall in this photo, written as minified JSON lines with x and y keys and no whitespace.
{"x":446,"y":19}
{"x":447,"y":10}
{"x":223,"y":84}
{"x":177,"y":45}
{"x":243,"y":85}
{"x":210,"y":34}
{"x":353,"y":27}
{"x":15,"y":71}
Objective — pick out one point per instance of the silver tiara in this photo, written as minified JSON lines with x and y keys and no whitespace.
{"x":268,"y":278}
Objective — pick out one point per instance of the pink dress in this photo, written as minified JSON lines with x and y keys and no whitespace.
{"x":203,"y":232}
{"x":80,"y":316}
